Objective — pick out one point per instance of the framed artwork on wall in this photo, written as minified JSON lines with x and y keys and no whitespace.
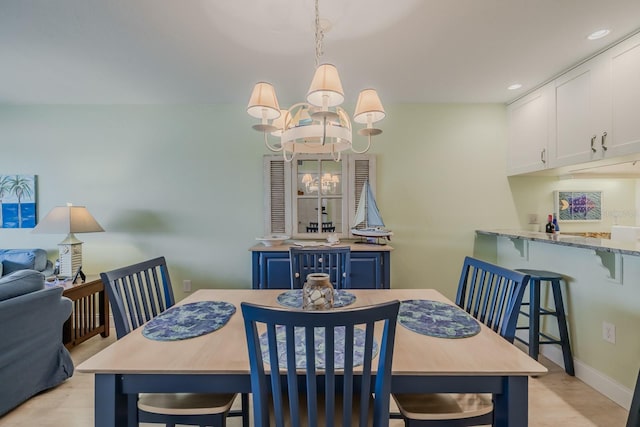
{"x":17,"y":201}
{"x":578,"y":205}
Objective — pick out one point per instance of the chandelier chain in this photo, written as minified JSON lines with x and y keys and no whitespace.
{"x":319,"y":36}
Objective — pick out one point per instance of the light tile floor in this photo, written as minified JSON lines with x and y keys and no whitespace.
{"x":555,"y":400}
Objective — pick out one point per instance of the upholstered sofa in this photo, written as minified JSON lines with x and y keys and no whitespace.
{"x":24,"y":259}
{"x":32,"y":356}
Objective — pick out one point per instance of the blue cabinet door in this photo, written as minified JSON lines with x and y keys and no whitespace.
{"x":366,"y":270}
{"x":369,"y":270}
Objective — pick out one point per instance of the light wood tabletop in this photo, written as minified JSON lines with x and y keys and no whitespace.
{"x":484,"y":362}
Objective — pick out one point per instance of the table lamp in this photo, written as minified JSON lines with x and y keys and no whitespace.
{"x":68,"y":219}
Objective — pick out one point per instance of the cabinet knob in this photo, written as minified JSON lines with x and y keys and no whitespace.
{"x":593,"y":142}
{"x":603,"y":141}
{"x":543,"y":155}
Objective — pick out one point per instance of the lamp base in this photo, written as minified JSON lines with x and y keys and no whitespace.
{"x":70,"y":258}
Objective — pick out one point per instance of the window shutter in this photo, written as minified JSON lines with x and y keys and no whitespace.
{"x":362,"y":168}
{"x":276,"y":195}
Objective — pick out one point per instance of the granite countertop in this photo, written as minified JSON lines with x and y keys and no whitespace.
{"x":615,"y":246}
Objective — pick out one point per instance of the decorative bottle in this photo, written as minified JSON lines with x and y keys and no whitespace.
{"x":317,"y":292}
{"x":556,"y":227}
{"x":550,"y":228}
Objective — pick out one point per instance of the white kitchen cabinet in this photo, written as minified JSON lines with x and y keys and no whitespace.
{"x":530,"y":124}
{"x":583,"y":113}
{"x":597,"y":107}
{"x":624,"y":61}
{"x":588,"y":113}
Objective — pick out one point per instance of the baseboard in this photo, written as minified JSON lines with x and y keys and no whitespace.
{"x":588,"y":375}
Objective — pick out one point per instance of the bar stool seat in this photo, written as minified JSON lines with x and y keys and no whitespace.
{"x":535,"y":312}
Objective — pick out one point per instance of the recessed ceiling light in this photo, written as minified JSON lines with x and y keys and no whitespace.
{"x":598,"y":34}
{"x":515,"y":86}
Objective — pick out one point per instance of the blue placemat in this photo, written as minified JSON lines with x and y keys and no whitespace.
{"x":437,"y":319}
{"x":293,"y":298}
{"x":189,"y":320}
{"x":358,"y":339}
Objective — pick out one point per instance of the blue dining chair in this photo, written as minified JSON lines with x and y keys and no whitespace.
{"x":491,"y":294}
{"x":138,"y":293}
{"x":634,"y":412}
{"x":311,"y":389}
{"x":336,"y":262}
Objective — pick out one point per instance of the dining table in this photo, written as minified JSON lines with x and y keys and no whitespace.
{"x":218,"y":362}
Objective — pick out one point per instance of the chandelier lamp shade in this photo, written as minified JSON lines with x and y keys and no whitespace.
{"x":319,"y":125}
{"x":69,"y":219}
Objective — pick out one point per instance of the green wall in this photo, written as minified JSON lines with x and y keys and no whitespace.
{"x":186,"y":182}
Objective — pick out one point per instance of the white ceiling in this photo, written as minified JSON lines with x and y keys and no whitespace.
{"x":213,"y":51}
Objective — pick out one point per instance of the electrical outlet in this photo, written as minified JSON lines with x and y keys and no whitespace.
{"x":609,"y":332}
{"x":186,"y":285}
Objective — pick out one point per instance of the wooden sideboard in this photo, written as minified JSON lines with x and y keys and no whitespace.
{"x":370,"y":266}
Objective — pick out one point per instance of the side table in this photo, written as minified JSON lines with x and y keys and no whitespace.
{"x":90,"y":315}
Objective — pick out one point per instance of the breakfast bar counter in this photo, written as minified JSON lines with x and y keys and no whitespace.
{"x":601,"y":288}
{"x":607,"y":245}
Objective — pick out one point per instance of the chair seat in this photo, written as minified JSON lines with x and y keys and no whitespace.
{"x":541,"y":275}
{"x":441,"y":406}
{"x":185,"y":403}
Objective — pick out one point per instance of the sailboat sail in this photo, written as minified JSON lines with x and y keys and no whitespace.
{"x":367,"y":211}
{"x":368,"y":215}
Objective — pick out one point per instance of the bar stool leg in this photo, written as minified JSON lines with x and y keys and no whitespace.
{"x":534,"y":318}
{"x":562,"y":327}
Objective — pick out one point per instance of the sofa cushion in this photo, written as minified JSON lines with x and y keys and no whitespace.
{"x":14,"y":261}
{"x":23,"y":259}
{"x":19,"y":283}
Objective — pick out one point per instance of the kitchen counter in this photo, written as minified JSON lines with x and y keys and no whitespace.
{"x":606,"y":245}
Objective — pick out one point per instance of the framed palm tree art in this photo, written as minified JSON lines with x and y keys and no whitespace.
{"x":17,"y":201}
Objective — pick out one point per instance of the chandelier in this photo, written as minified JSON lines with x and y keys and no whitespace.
{"x":319,"y":125}
{"x":328,"y":183}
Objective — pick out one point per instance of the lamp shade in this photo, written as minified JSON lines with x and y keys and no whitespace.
{"x":368,"y":105}
{"x":263,"y":102}
{"x":68,"y":219}
{"x":326,"y":85}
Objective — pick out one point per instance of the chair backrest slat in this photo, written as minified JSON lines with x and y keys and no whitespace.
{"x":330,"y":383}
{"x":492,"y":294}
{"x":336,"y":262}
{"x":138,"y":293}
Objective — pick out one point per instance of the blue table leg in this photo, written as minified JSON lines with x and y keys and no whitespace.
{"x":110,"y":403}
{"x":512,"y":407}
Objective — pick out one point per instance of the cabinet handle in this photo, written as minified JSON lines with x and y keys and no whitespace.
{"x":593,"y":142}
{"x":603,"y":140}
{"x":543,"y":155}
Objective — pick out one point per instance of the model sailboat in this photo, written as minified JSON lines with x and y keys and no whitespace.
{"x":368,"y":215}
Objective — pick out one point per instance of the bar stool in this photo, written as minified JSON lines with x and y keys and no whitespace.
{"x":535,"y":312}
